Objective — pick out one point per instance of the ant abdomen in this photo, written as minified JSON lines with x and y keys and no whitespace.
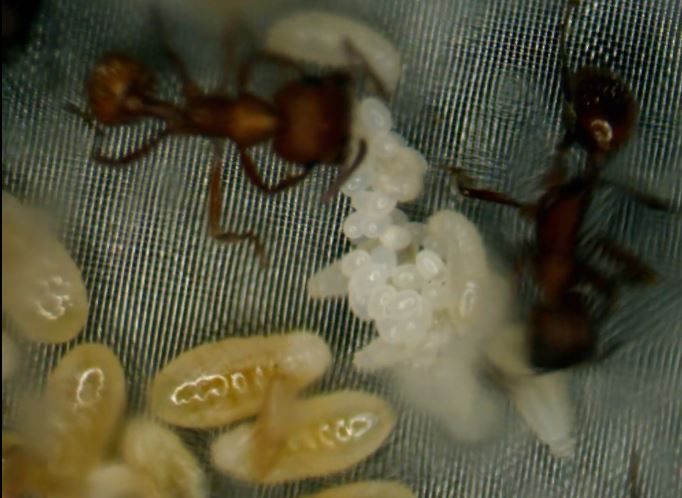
{"x":561,"y":336}
{"x":605,"y":110}
{"x":118,"y":88}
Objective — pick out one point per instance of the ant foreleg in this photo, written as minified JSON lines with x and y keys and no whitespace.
{"x":346,"y":173}
{"x":633,"y":269}
{"x":463,"y":183}
{"x":132,"y":156}
{"x":248,"y":66}
{"x":602,"y":284}
{"x":215,"y":208}
{"x":254,"y":175}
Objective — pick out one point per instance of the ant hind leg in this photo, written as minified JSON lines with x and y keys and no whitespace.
{"x":215,"y":208}
{"x":254,"y":175}
{"x":131,"y":156}
{"x":632,"y":268}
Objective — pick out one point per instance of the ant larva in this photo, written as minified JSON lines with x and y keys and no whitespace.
{"x":308,"y":120}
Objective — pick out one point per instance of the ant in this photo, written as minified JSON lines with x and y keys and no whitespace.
{"x":600,"y":116}
{"x":308,"y":120}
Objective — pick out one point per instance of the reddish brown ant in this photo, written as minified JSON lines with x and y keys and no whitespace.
{"x":309,"y":121}
{"x":600,"y":116}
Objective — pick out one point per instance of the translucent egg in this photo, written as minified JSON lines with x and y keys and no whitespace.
{"x":396,"y":237}
{"x":374,"y":205}
{"x":329,"y":282}
{"x":353,"y":226}
{"x":437,"y":293}
{"x":379,"y":300}
{"x":408,"y":330}
{"x":374,"y":116}
{"x":358,"y":305}
{"x":386,"y":144}
{"x":399,"y":217}
{"x":373,"y":228}
{"x":406,"y":276}
{"x":366,"y":278}
{"x":361,"y":180}
{"x":382,"y":256}
{"x":429,"y":264}
{"x":354,"y":260}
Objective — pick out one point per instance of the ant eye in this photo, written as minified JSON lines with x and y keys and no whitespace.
{"x":605,"y":109}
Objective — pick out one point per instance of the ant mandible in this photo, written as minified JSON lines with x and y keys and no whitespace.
{"x":309,"y":121}
{"x":600,"y":116}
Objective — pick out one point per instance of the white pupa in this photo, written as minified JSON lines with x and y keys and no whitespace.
{"x":42,"y":288}
{"x":314,"y":437}
{"x":66,"y":433}
{"x":216,"y":384}
{"x":367,"y":489}
{"x":542,"y":400}
{"x":332,"y":40}
{"x":158,"y":453}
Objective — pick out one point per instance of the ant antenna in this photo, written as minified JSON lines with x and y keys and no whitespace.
{"x":563,"y":56}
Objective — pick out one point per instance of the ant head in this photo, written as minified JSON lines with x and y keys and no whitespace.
{"x":561,"y":336}
{"x":118,"y":87}
{"x":315,"y":119}
{"x":604,"y":109}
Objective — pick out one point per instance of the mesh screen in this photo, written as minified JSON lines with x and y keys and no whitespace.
{"x":480,"y":90}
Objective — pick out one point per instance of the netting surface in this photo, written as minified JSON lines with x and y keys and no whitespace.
{"x":480,"y":90}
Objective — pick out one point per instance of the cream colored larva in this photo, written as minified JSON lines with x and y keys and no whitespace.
{"x":333,"y":40}
{"x":219,"y":383}
{"x":367,"y":489}
{"x":325,"y":435}
{"x":42,"y":288}
{"x":65,"y":435}
{"x":158,"y":453}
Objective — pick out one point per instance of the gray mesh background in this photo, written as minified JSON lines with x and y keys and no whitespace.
{"x":479,"y":90}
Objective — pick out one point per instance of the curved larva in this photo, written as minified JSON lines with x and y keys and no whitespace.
{"x":157,"y":452}
{"x":42,"y":288}
{"x":367,"y":489}
{"x":328,"y":434}
{"x":67,"y":432}
{"x":320,"y":38}
{"x":544,"y":403}
{"x":120,"y":481}
{"x":216,"y":384}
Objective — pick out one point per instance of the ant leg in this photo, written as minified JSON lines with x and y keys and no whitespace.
{"x":254,"y":175}
{"x":633,"y":269}
{"x":215,"y":208}
{"x":346,"y":173}
{"x":649,"y":200}
{"x":132,"y":156}
{"x":189,"y":88}
{"x":602,"y":284}
{"x":247,"y":66}
{"x":356,"y":56}
{"x":464,"y":182}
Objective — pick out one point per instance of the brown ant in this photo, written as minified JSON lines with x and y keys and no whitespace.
{"x":308,"y":120}
{"x":600,"y":116}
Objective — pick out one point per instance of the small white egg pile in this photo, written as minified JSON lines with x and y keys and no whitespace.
{"x":439,"y":309}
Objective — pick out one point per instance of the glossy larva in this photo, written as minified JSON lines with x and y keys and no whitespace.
{"x":322,"y":435}
{"x":66,"y":433}
{"x":219,"y":383}
{"x":120,"y":481}
{"x":333,"y":40}
{"x":155,"y":451}
{"x":367,"y":489}
{"x":42,"y":288}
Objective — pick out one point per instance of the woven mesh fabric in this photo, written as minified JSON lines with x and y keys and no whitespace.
{"x":480,"y":90}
